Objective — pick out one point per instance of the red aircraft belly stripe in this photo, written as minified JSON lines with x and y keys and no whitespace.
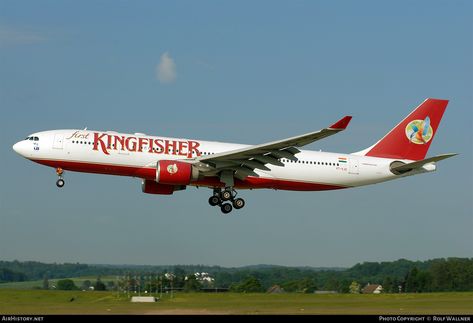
{"x":150,"y":173}
{"x":258,"y":182}
{"x":107,"y":169}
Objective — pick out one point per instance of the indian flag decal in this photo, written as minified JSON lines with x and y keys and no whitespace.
{"x":342,"y":159}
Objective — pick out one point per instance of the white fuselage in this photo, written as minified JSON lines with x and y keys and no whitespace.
{"x":137,"y":154}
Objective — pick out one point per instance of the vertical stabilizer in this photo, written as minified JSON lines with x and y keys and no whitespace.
{"x":412,"y":137}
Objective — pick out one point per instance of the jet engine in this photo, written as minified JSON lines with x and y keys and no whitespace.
{"x":173,"y":172}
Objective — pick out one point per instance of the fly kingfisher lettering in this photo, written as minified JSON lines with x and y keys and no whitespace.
{"x":105,"y":142}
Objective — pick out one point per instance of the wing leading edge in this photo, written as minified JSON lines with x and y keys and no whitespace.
{"x":244,"y":161}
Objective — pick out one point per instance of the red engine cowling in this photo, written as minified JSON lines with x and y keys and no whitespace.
{"x":151,"y":187}
{"x":174,"y":172}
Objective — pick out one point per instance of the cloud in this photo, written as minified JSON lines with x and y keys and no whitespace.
{"x":12,"y":36}
{"x":166,"y":69}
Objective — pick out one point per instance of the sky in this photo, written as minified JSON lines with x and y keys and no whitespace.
{"x":235,"y":71}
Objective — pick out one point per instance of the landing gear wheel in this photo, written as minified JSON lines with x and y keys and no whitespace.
{"x":226,"y":208}
{"x":214,"y":200}
{"x":60,"y":182}
{"x":226,"y":195}
{"x":238,"y":203}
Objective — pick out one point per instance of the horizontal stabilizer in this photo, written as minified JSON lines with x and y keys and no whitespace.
{"x":418,"y":164}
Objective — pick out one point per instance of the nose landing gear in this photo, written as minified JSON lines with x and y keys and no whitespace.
{"x":221,"y":196}
{"x":60,"y":182}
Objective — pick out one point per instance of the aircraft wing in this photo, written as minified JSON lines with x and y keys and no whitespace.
{"x":244,"y":161}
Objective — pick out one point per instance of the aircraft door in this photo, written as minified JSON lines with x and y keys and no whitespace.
{"x":58,"y":142}
{"x":353,"y":166}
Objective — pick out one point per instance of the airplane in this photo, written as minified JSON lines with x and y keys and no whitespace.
{"x":166,"y":165}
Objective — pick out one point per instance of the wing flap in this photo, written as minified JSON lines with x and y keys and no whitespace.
{"x":283,"y":154}
{"x":253,"y":164}
{"x":243,"y":172}
{"x":268,"y":159}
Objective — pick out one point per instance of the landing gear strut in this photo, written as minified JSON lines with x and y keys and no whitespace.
{"x":60,"y":182}
{"x":221,"y":196}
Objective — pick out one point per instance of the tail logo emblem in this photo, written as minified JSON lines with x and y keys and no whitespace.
{"x":172,"y":169}
{"x":419,"y":131}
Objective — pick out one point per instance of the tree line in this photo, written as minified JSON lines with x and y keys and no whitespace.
{"x":450,"y":274}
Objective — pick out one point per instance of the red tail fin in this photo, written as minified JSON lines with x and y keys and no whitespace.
{"x":411,"y":138}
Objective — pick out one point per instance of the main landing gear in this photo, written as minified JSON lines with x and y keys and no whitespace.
{"x":60,"y":181}
{"x":222,"y":197}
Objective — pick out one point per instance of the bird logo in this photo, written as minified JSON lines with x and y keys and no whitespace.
{"x":419,"y":131}
{"x":172,"y":169}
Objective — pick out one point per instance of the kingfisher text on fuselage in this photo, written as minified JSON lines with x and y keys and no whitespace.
{"x":105,"y":142}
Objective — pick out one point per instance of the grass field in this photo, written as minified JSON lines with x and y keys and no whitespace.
{"x":52,"y":282}
{"x":59,"y":302}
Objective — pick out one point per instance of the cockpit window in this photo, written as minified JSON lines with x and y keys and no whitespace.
{"x":27,"y":138}
{"x":31,"y":138}
{"x":36,"y":138}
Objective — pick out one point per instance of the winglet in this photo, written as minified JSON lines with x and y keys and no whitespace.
{"x":341,"y":124}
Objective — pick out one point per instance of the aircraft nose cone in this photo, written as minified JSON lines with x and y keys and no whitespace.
{"x":18,"y":148}
{"x":15,"y":147}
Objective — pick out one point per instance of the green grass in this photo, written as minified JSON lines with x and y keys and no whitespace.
{"x":39,"y":283}
{"x":22,"y":285}
{"x":59,"y":302}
